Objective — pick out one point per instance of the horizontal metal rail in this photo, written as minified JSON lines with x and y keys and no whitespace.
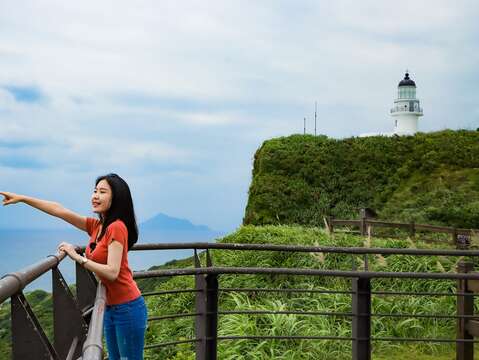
{"x":435,"y":340}
{"x":12,"y":283}
{"x":291,"y":337}
{"x":172,"y":316}
{"x":425,"y":316}
{"x":343,"y":314}
{"x":308,"y":272}
{"x":315,"y":291}
{"x":422,"y":293}
{"x":294,"y":248}
{"x":170,"y":292}
{"x":170,"y":343}
{"x":299,"y":337}
{"x":283,"y":312}
{"x":347,"y":292}
{"x":346,"y":338}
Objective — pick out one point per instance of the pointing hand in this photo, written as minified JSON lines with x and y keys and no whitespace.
{"x":10,"y":198}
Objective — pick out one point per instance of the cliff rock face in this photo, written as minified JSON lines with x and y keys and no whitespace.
{"x":428,"y":177}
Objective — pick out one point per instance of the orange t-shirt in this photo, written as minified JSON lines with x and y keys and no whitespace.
{"x":124,"y":288}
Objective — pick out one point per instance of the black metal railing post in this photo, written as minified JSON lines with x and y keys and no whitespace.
{"x":361,"y":326}
{"x":465,"y":307}
{"x":206,"y":302}
{"x":200,"y":306}
{"x":212,"y":316}
{"x":68,"y":322}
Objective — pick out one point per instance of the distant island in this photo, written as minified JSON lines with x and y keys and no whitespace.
{"x":25,"y":219}
{"x":169,"y":223}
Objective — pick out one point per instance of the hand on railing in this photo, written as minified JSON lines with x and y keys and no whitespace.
{"x":69,"y":249}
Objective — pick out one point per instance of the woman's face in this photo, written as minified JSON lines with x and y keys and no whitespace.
{"x":101,"y":197}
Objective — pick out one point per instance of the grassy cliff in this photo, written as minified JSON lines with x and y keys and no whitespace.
{"x":428,"y":178}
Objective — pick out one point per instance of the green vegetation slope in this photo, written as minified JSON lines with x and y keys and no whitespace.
{"x":428,"y":178}
{"x":297,"y":324}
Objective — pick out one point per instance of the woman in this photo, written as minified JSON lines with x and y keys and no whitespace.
{"x":106,"y":255}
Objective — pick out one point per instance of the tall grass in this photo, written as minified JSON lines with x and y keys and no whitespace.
{"x":302,"y":324}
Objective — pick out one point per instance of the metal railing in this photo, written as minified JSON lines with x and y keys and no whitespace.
{"x":74,"y":339}
{"x":207,"y":291}
{"x":70,"y":313}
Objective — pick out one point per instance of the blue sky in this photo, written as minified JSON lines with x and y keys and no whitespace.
{"x":176,"y":96}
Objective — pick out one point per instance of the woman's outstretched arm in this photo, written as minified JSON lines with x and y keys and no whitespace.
{"x":49,"y":207}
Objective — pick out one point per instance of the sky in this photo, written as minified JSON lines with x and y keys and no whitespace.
{"x":176,"y":96}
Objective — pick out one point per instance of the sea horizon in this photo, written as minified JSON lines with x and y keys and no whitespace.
{"x":24,"y":247}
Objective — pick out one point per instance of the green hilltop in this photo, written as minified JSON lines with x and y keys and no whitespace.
{"x":428,"y":178}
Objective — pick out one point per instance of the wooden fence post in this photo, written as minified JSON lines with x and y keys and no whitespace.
{"x":412,"y":229}
{"x":454,"y":237}
{"x":331,"y":224}
{"x":363,"y":226}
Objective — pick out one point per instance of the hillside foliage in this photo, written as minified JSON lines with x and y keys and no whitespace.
{"x":428,"y":178}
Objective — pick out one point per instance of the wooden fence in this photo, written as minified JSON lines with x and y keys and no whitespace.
{"x":460,"y":237}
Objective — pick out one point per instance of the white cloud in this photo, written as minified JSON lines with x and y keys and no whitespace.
{"x":181,"y":90}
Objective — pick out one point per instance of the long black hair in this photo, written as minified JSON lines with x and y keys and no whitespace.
{"x":121,"y":207}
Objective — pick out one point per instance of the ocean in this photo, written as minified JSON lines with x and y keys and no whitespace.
{"x":20,"y":248}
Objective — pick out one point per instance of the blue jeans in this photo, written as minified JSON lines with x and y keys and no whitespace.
{"x":124,"y":327}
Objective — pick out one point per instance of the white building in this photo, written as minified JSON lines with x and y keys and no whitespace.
{"x":407,"y":109}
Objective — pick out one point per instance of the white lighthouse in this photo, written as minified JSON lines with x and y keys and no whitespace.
{"x":407,"y":109}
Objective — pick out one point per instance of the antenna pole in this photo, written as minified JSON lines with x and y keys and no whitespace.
{"x":304,"y":126}
{"x":315,"y":111}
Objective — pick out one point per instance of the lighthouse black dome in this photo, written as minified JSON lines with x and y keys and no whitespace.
{"x":407,"y":81}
